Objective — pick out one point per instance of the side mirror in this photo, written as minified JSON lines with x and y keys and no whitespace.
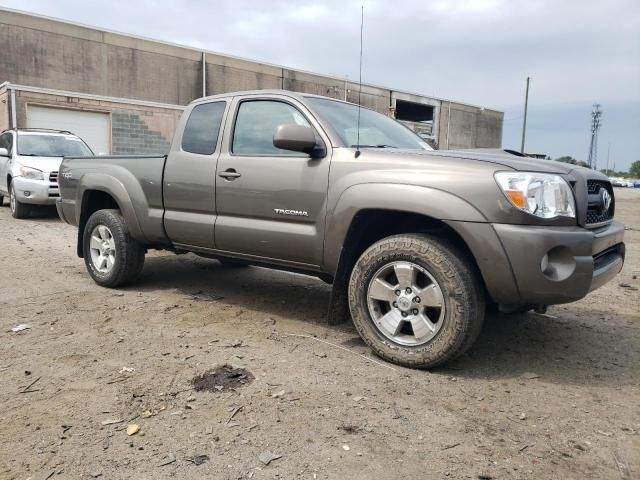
{"x":4,"y":152}
{"x":297,"y":138}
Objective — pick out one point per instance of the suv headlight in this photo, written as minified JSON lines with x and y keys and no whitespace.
{"x":541,"y":194}
{"x":31,"y":173}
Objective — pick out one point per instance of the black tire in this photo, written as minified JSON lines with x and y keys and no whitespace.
{"x":18,"y":210}
{"x":461,"y":288}
{"x":129,"y":253}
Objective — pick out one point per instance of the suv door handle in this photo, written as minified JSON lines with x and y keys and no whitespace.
{"x":230,"y":174}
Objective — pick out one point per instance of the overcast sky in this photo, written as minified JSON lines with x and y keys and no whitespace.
{"x":478,"y":51}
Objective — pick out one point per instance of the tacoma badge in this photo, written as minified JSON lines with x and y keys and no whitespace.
{"x":295,"y":213}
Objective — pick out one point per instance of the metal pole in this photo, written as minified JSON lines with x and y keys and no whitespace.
{"x":608,"y":152}
{"x":524,"y":123}
{"x":595,"y":158}
{"x":448,"y":123}
{"x":204,"y":74}
{"x":14,"y":121}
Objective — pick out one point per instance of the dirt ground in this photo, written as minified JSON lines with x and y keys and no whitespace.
{"x":554,"y":396}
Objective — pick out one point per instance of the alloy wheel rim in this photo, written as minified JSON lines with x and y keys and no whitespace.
{"x":102,"y":247}
{"x":406,"y":303}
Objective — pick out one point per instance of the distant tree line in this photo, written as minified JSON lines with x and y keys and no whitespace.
{"x":634,"y":170}
{"x":568,"y":159}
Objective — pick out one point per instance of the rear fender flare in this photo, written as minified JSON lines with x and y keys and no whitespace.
{"x":112,"y":186}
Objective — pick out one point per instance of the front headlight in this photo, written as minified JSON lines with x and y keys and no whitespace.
{"x":31,"y":173}
{"x":541,"y":194}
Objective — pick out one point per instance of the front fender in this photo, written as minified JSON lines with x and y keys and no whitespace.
{"x":114,"y":187}
{"x":430,"y":202}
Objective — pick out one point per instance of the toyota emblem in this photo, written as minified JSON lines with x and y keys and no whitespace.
{"x":605,"y":200}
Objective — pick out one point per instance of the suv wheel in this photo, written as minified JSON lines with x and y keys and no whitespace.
{"x":18,"y":210}
{"x":112,"y":256}
{"x":416,"y":301}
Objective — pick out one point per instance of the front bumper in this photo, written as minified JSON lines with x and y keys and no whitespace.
{"x":35,"y":192}
{"x":554,"y":265}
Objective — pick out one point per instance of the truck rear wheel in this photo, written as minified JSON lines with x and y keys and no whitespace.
{"x":18,"y":210}
{"x":113,"y":258}
{"x":416,"y":301}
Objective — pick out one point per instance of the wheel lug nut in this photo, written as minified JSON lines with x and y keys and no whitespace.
{"x":415,"y":311}
{"x":395,"y":304}
{"x":416,"y":299}
{"x":408,"y":290}
{"x":404,"y":314}
{"x":398,"y":293}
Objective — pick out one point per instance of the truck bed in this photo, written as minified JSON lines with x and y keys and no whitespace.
{"x":134,"y":182}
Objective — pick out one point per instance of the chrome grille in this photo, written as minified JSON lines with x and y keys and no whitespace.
{"x":53,"y":185}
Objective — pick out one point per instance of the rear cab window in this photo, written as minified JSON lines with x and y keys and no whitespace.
{"x":202,"y":130}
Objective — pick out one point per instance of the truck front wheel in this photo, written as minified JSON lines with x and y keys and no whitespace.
{"x":113,"y":258}
{"x":416,"y":301}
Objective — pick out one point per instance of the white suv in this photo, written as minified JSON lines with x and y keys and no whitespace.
{"x":29,"y":163}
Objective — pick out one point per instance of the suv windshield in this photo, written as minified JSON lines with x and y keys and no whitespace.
{"x":47,"y":145}
{"x":376,"y":130}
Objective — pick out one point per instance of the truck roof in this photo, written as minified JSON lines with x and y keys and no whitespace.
{"x":288,"y":93}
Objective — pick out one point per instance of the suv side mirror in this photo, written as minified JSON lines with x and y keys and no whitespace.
{"x":4,"y":152}
{"x":297,"y":138}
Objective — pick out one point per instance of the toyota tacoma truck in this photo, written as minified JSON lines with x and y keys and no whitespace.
{"x":29,"y":163}
{"x":416,"y":243}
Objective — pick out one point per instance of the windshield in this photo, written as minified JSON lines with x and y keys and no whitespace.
{"x":376,"y":130}
{"x":47,"y":145}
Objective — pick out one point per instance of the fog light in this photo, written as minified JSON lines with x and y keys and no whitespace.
{"x":558,"y":264}
{"x":27,"y":193}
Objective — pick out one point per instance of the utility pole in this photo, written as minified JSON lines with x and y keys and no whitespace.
{"x":524,"y":122}
{"x":596,"y":123}
{"x":608,"y":154}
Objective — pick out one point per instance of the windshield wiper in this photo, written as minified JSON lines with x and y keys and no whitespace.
{"x":381,"y":145}
{"x":36,"y":155}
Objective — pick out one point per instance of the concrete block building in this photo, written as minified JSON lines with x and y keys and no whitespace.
{"x":124,"y":94}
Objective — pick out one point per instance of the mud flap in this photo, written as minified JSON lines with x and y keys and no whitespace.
{"x":339,"y":303}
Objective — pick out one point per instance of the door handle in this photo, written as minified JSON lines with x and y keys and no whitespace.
{"x":230,"y":174}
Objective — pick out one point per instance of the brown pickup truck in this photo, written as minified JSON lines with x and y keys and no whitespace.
{"x":416,"y":242}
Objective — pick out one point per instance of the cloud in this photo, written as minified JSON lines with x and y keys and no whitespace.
{"x":476,"y":51}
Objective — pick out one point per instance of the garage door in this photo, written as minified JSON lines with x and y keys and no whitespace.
{"x":92,"y":127}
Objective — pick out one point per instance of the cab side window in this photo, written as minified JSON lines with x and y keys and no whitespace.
{"x":203,"y":128}
{"x":256,"y":123}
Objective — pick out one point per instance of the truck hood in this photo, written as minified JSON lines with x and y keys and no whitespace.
{"x":486,"y":155}
{"x":46,"y":164}
{"x":510,"y":160}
